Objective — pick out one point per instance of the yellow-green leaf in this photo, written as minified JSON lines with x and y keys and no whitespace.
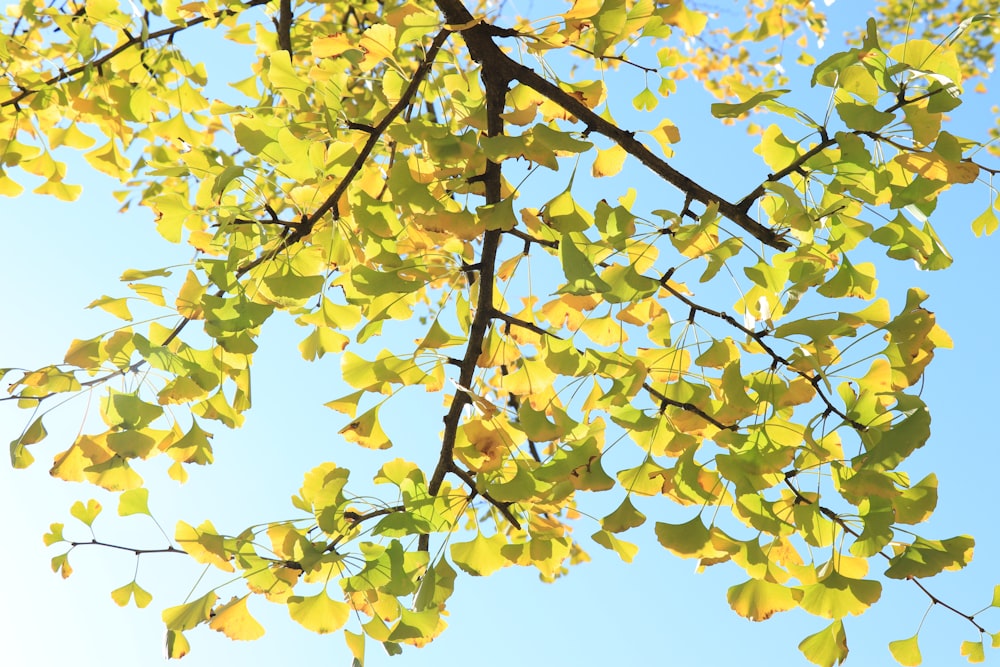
{"x":318,"y":612}
{"x":828,"y":647}
{"x":187,"y":616}
{"x":133,"y":501}
{"x":758,"y":600}
{"x":906,"y":652}
{"x":131,"y":590}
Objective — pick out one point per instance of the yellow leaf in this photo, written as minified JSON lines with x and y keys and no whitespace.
{"x":234,"y":620}
{"x":204,"y":544}
{"x":366,"y":431}
{"x":759,"y":600}
{"x":931,"y":165}
{"x":318,"y":613}
{"x":330,"y":46}
{"x":176,"y":645}
{"x":378,"y":43}
{"x":666,"y":133}
{"x":609,"y":161}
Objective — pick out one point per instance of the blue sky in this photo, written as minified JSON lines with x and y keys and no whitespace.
{"x":61,"y":256}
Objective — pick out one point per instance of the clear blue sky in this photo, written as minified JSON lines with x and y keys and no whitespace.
{"x":58,"y":257}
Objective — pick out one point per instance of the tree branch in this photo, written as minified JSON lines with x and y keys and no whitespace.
{"x":688,"y":407}
{"x":124,"y":46}
{"x":814,"y":380}
{"x":503,"y":507}
{"x":483,"y":50}
{"x":837,"y":519}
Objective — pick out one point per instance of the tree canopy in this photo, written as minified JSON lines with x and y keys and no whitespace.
{"x":442,"y":195}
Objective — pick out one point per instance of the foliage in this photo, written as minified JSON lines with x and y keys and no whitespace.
{"x":372,"y":167}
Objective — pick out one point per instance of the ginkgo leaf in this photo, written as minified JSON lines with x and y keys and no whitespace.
{"x":191,"y":614}
{"x":86,"y":513}
{"x":925,"y":558}
{"x":204,"y":544}
{"x":318,"y":613}
{"x":609,"y":161}
{"x":758,"y":600}
{"x":234,"y":620}
{"x":134,"y":501}
{"x":366,"y":431}
{"x":61,"y":565}
{"x":828,"y":647}
{"x":608,"y":540}
{"x":724,"y":110}
{"x":481,"y":556}
{"x":906,"y":652}
{"x":973,"y":651}
{"x":836,"y":596}
{"x":130,"y":591}
{"x":623,"y":518}
{"x":55,"y":535}
{"x":176,"y":645}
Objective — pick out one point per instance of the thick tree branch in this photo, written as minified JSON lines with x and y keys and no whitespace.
{"x":485,"y":51}
{"x":283,"y":26}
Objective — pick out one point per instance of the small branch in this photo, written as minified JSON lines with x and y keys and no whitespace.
{"x":503,"y":507}
{"x":528,"y":238}
{"x":135,"y":41}
{"x":137,"y":552}
{"x":688,"y":407}
{"x":356,"y":518}
{"x":530,"y":326}
{"x":814,"y":380}
{"x":620,"y":59}
{"x":280,"y":223}
{"x":836,"y":518}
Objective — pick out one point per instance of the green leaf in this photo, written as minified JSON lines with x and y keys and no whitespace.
{"x":925,"y":558}
{"x":862,"y":117}
{"x":319,"y":613}
{"x":850,"y":280}
{"x":906,"y":652}
{"x":623,"y":518}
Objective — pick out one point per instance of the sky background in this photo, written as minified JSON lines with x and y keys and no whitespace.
{"x":58,"y":257}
